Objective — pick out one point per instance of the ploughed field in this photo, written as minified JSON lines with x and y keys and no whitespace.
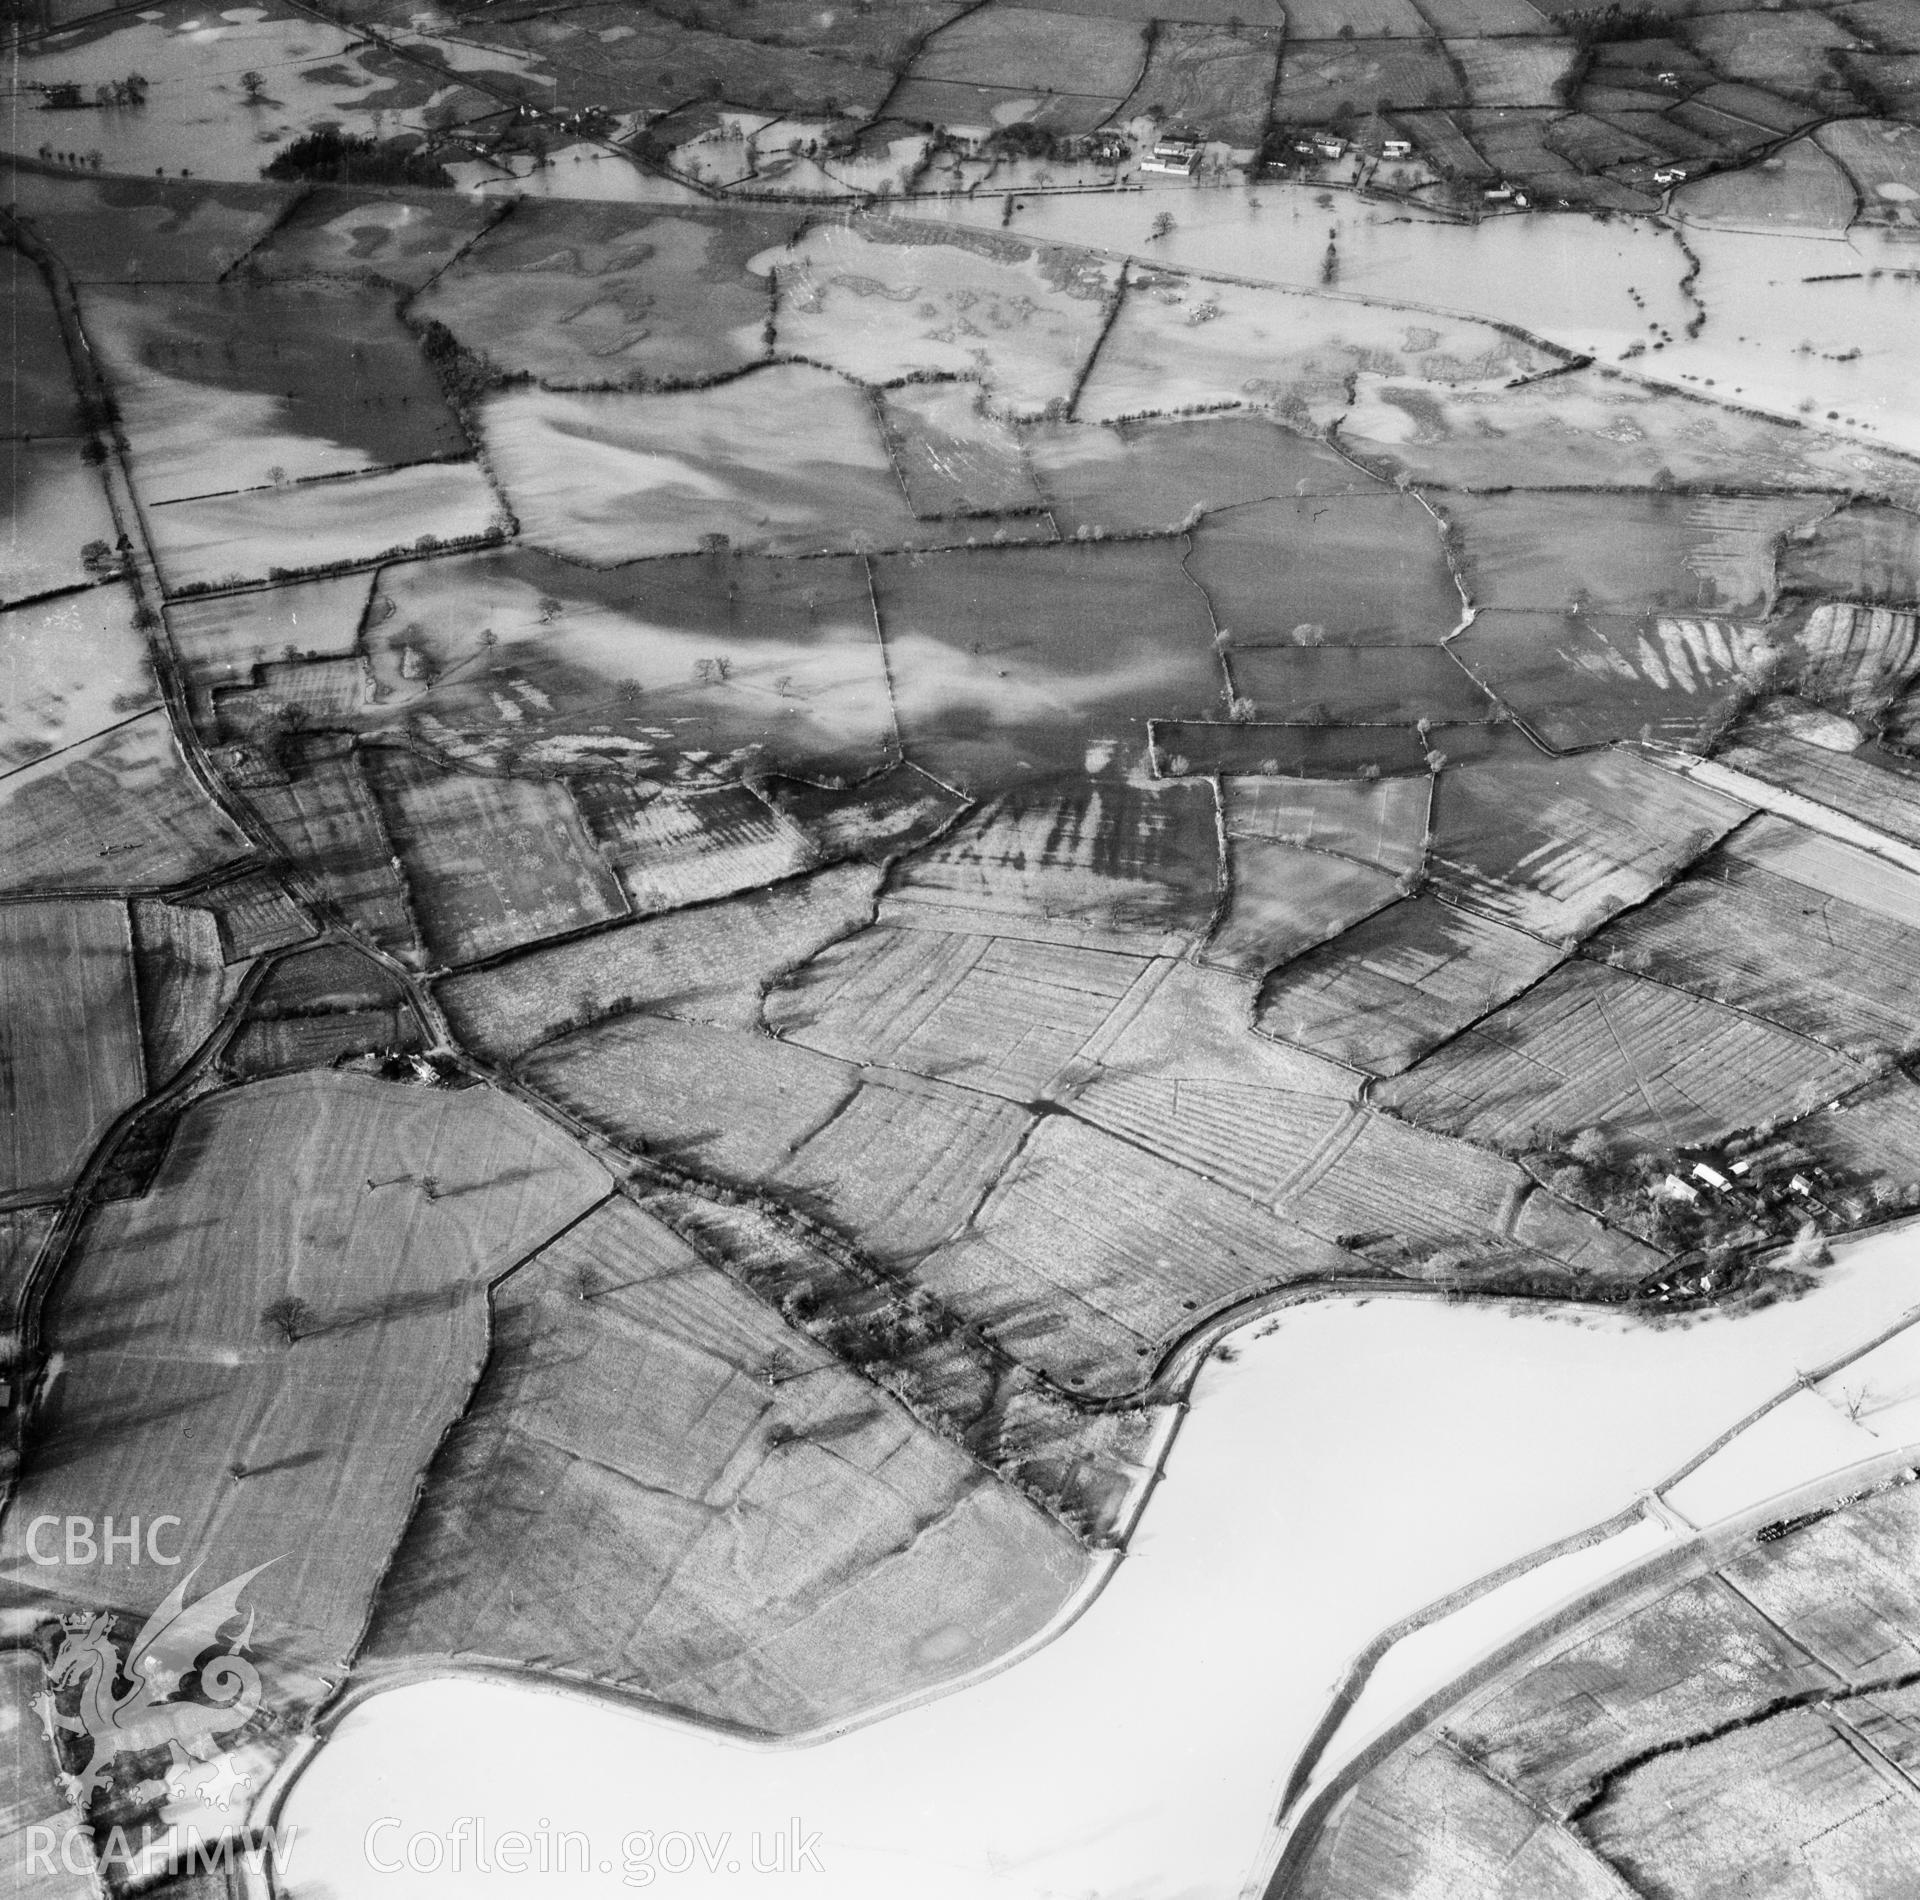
{"x":716,"y":878}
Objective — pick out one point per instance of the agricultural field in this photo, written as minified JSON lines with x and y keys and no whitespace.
{"x":1591,"y":1047}
{"x":1399,"y":983}
{"x":1282,"y":899}
{"x":132,"y":230}
{"x":583,"y":296}
{"x":1787,"y":947}
{"x":74,"y":666}
{"x":709,"y":964}
{"x":69,"y":1038}
{"x":1153,"y":475}
{"x":1743,"y":1722}
{"x":282,"y":533}
{"x":335,"y":231}
{"x":227,"y":389}
{"x":773,"y":1548}
{"x":384,"y":1211}
{"x":1104,"y":865}
{"x":183,"y":982}
{"x":953,"y":454}
{"x":1357,"y":685}
{"x":492,"y":863}
{"x":56,"y":510}
{"x":116,"y":812}
{"x":1089,"y":1267}
{"x":883,"y":301}
{"x":1621,"y":553}
{"x":1011,"y":662}
{"x":1363,"y":572}
{"x":788,"y":460}
{"x":671,"y":848}
{"x":764,"y":768}
{"x":31,"y":1798}
{"x":1202,"y":74}
{"x":1555,"y":846}
{"x":1585,"y":678}
{"x":41,"y":399}
{"x":1826,"y":759}
{"x":1592,"y":429}
{"x":324,"y":817}
{"x":995,"y":1014}
{"x":1180,"y":343}
{"x":695,"y":669}
{"x":729,"y":1103}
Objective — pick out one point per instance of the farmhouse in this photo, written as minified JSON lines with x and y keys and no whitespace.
{"x":1178,"y":154}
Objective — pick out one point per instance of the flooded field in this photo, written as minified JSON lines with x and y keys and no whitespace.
{"x":1474,"y":1436}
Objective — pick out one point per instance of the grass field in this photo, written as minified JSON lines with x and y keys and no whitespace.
{"x":1283,"y":899}
{"x":1799,"y":187}
{"x":591,"y":296}
{"x":283,"y":1045}
{"x":492,"y":863}
{"x":1401,"y":982}
{"x":1582,"y":679}
{"x":1106,"y":865}
{"x":279,"y":533}
{"x":40,"y":396}
{"x":1556,"y":846}
{"x":989,"y":1013}
{"x":1858,"y":658}
{"x":695,"y":667}
{"x":73,"y":667}
{"x":1212,"y":76}
{"x":118,"y":812}
{"x":786,"y":461}
{"x":1382,"y":823}
{"x":70,"y":1056}
{"x":1364,"y":572}
{"x":1273,"y":748}
{"x":1883,"y":161}
{"x":708,"y":964}
{"x":33,"y":1807}
{"x":1032,"y":50}
{"x":339,"y":232}
{"x":54,"y":504}
{"x":670,"y":848}
{"x":1795,"y":752}
{"x":1322,"y":79}
{"x":326,"y":820}
{"x":177,"y":1394}
{"x":770,"y":1550}
{"x":731,"y":1103}
{"x":184,"y":983}
{"x":1586,"y":429}
{"x":1359,"y":685}
{"x":1596,"y":1048}
{"x":954,"y":455}
{"x":1744,"y":1728}
{"x":133,"y":230}
{"x":1784,"y":949}
{"x":1154,"y":474}
{"x":1181,"y":341}
{"x":220,"y":640}
{"x":1623,"y":553}
{"x":1865,"y":551}
{"x":880,"y":301}
{"x":1828,"y":869}
{"x":904,"y":1164}
{"x":223,"y":389}
{"x":1090,"y":1258}
{"x":1009,"y":662}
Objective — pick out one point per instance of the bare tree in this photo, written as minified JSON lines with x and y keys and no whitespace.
{"x":289,"y":1316}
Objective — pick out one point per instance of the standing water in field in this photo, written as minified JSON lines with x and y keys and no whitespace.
{"x":1353,"y":1461}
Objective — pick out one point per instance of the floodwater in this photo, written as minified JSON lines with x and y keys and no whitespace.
{"x":1354,"y":1461}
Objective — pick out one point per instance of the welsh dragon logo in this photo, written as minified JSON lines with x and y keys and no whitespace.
{"x":133,"y":1703}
